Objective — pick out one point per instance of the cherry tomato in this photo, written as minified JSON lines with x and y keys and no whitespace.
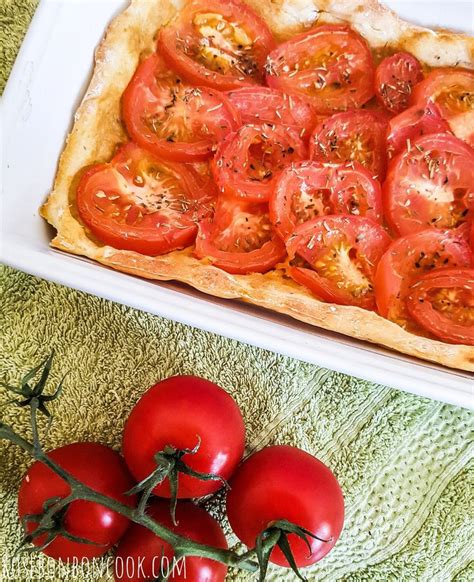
{"x":98,"y":467}
{"x":285,"y":483}
{"x":140,"y":203}
{"x":264,"y":105}
{"x":355,"y":136}
{"x":331,"y":66}
{"x":306,"y":190}
{"x":239,"y":238}
{"x":141,"y":555}
{"x":431,"y":185}
{"x":410,"y":257}
{"x":340,"y":254}
{"x":182,"y":412}
{"x":395,"y":78}
{"x":248,"y":162}
{"x":416,"y":121}
{"x":442,"y":302}
{"x":215,"y":43}
{"x":172,"y":119}
{"x":452,"y":89}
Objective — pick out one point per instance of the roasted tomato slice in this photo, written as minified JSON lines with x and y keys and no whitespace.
{"x":431,"y":185}
{"x":331,"y":66}
{"x":357,"y":136}
{"x":340,"y":254}
{"x":262,"y":104}
{"x":442,"y":302}
{"x":239,"y":238}
{"x":452,"y":90}
{"x":217,"y":43}
{"x":416,"y":121}
{"x":141,"y":203}
{"x":395,"y":78}
{"x":172,"y":119}
{"x":410,"y":257}
{"x":247,"y":164}
{"x":306,"y":190}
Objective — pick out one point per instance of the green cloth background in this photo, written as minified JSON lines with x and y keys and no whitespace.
{"x":404,"y":463}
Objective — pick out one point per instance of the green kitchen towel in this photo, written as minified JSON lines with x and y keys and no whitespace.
{"x":405,"y":463}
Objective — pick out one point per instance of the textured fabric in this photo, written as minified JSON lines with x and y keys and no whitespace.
{"x":404,"y":463}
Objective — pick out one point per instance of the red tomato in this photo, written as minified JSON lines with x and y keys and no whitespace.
{"x":285,"y":483}
{"x":141,"y":555}
{"x":355,"y":136}
{"x":265,"y":105}
{"x":306,"y":190}
{"x":140,"y":203}
{"x":181,"y":412}
{"x":172,"y":119}
{"x":416,"y":121}
{"x":331,"y":66}
{"x":452,"y":89}
{"x":442,"y":302}
{"x":98,"y":467}
{"x":431,"y":185}
{"x":239,"y":238}
{"x":248,"y":162}
{"x":395,"y":78}
{"x":215,"y":43}
{"x":340,"y":254}
{"x":411,"y":256}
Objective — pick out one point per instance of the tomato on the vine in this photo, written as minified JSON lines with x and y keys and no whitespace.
{"x":141,"y":555}
{"x":98,"y":467}
{"x":285,"y":483}
{"x":180,"y":414}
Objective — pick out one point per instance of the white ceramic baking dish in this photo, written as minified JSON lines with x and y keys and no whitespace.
{"x":45,"y":87}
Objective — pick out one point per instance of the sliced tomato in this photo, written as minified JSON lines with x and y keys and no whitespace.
{"x":442,"y":302}
{"x":395,"y":78}
{"x":239,"y":238}
{"x":217,"y":43}
{"x":247,"y":164}
{"x":331,"y":66}
{"x":357,"y":136}
{"x":263,"y":104}
{"x":416,"y":121}
{"x":138,"y":202}
{"x":172,"y":119}
{"x":452,"y":89}
{"x":431,"y":185}
{"x":340,"y":254}
{"x":306,"y":190}
{"x":410,"y":257}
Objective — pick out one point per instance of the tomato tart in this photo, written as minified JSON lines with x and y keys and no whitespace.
{"x":314,"y":158}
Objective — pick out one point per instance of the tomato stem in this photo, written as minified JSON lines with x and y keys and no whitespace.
{"x":49,"y":522}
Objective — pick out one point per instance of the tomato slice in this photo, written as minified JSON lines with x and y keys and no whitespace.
{"x":247,"y":164}
{"x":217,"y":43}
{"x":172,"y":119}
{"x":138,"y":202}
{"x":341,"y":253}
{"x":306,"y":190}
{"x":442,"y":302}
{"x":263,"y":104}
{"x":239,"y":238}
{"x":431,"y":185}
{"x":452,"y":89}
{"x":395,"y":78}
{"x":411,"y":256}
{"x":331,"y":66}
{"x":416,"y":121}
{"x":357,"y":136}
